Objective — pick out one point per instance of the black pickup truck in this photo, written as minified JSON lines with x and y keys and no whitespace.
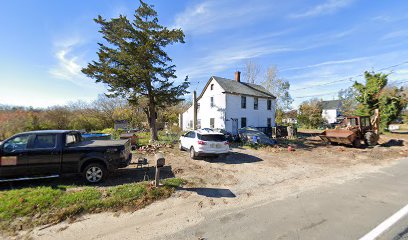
{"x":52,"y":153}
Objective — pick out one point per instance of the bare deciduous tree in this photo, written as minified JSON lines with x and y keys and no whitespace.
{"x":251,"y":71}
{"x":279,"y":87}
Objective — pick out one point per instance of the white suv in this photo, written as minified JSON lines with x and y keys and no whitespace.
{"x":204,"y":143}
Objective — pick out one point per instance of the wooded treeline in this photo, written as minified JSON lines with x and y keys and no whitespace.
{"x":95,"y":116}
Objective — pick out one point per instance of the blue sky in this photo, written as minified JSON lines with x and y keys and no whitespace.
{"x":44,"y":44}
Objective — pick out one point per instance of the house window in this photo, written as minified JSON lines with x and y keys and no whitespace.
{"x":269,"y":104}
{"x":269,"y":122}
{"x":212,"y":101}
{"x":243,"y":122}
{"x":243,"y":102}
{"x":256,"y":103}
{"x":211,"y":122}
{"x":212,"y":86}
{"x":198,"y":123}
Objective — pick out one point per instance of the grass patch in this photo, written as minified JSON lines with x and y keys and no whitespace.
{"x":30,"y":207}
{"x":143,"y":138}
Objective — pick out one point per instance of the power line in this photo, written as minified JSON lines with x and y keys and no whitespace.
{"x":349,"y":78}
{"x":398,"y":83}
{"x":324,"y":94}
{"x":317,"y":95}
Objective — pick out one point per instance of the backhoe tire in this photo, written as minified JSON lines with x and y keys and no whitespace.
{"x":357,"y":143}
{"x":370,"y":139}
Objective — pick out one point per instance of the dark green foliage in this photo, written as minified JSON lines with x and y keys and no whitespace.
{"x":134,"y":64}
{"x":368,"y":95}
{"x":392,"y":101}
{"x":376,"y":94}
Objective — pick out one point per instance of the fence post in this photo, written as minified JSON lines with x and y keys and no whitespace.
{"x":160,"y":161}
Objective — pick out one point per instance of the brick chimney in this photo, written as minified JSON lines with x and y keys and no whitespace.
{"x":238,"y":76}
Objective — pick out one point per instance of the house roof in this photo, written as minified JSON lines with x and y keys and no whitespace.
{"x":234,"y":87}
{"x":332,"y":104}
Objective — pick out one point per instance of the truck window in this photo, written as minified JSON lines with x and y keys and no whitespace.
{"x":45,"y":141}
{"x":70,"y":139}
{"x":365,"y":122}
{"x":352,"y":122}
{"x":16,"y":143}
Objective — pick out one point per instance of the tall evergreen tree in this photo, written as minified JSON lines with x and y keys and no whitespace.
{"x":368,"y":94}
{"x":376,"y":94}
{"x":134,"y":64}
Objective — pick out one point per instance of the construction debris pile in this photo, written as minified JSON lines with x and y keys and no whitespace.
{"x":153,"y":148}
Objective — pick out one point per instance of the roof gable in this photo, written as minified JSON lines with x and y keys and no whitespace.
{"x":332,"y":104}
{"x":234,"y":87}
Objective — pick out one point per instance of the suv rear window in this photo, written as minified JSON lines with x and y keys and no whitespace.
{"x":212,"y":137}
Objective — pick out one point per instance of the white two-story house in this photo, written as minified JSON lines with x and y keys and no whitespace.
{"x":231,"y":104}
{"x":331,"y":110}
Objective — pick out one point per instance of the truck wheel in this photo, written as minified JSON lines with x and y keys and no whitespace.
{"x":95,"y":173}
{"x":370,"y":139}
{"x":193,"y":153}
{"x":357,"y":143}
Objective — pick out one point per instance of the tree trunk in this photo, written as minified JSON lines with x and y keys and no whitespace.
{"x":152,"y":122}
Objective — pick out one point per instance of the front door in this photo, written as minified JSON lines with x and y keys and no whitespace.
{"x":43,"y":156}
{"x":234,"y":130}
{"x":13,"y":157}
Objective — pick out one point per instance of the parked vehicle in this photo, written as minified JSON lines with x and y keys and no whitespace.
{"x":204,"y":143}
{"x":253,"y":135}
{"x":352,"y":131}
{"x":52,"y":153}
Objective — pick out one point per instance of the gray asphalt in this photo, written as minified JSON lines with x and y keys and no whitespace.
{"x":346,"y":211}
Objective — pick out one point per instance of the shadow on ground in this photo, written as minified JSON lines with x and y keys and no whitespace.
{"x":234,"y":158}
{"x":393,"y":143}
{"x":211,"y":192}
{"x":119,"y":177}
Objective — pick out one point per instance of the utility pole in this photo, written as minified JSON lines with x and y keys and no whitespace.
{"x":194,"y":110}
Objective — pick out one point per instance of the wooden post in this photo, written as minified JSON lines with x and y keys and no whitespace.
{"x":160,"y":161}
{"x":157,"y":177}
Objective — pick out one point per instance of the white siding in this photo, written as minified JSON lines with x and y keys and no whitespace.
{"x":205,"y":111}
{"x":330,"y":115}
{"x":255,"y":118}
{"x":188,"y":119}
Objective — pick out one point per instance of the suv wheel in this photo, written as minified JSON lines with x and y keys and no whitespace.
{"x":193,"y":154}
{"x":95,"y":173}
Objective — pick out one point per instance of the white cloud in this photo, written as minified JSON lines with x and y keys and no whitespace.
{"x":333,"y":62}
{"x":210,"y":15}
{"x":228,"y":58}
{"x":389,"y":19}
{"x":395,"y":34}
{"x":69,"y":64}
{"x":400,"y":75}
{"x":328,"y":7}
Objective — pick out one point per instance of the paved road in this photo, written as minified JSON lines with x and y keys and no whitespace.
{"x":346,"y":211}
